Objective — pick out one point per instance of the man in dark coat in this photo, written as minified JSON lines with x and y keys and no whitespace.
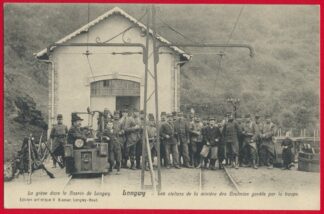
{"x":111,"y":135}
{"x":181,"y":129}
{"x":74,"y":133}
{"x":170,"y":143}
{"x":230,"y":134}
{"x":58,"y":138}
{"x":211,"y":139}
{"x":267,"y":144}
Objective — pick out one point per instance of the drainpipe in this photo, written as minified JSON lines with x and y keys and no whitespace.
{"x":51,"y":94}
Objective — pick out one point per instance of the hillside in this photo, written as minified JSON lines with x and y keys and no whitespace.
{"x":282,"y":79}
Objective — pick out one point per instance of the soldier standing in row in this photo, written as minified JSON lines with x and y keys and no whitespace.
{"x":230,"y":133}
{"x":267,"y":145}
{"x":211,"y":139}
{"x":196,"y":140}
{"x":111,"y":136}
{"x":181,"y":129}
{"x":58,"y":137}
{"x":152,"y":134}
{"x":130,"y":128}
{"x":170,"y":143}
{"x":139,"y":119}
{"x":250,"y":132}
{"x":162,"y":145}
{"x":124,"y":115}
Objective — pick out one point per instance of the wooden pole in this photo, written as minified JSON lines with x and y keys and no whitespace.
{"x":150,"y":161}
{"x":145,"y":98}
{"x":155,"y":57}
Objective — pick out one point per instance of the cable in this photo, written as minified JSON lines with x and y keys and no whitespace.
{"x":125,"y":30}
{"x":176,"y":31}
{"x":230,"y":36}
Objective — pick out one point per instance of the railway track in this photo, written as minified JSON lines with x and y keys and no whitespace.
{"x":230,"y":179}
{"x":72,"y":179}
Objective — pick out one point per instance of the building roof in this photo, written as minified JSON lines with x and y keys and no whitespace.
{"x":43,"y":53}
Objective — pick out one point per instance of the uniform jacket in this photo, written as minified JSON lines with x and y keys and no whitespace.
{"x":231,"y":132}
{"x":75,"y":133}
{"x":167,"y":132}
{"x":268,"y":132}
{"x":196,"y":131}
{"x":181,"y":129}
{"x":212,"y":136}
{"x":130,"y":128}
{"x":58,"y":135}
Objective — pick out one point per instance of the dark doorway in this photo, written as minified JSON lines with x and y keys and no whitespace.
{"x":126,"y":102}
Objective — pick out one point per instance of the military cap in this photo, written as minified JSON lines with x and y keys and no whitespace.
{"x":197,"y":119}
{"x":247,"y":116}
{"x":59,"y":116}
{"x":151,"y":117}
{"x":116,"y":114}
{"x":75,"y":117}
{"x":174,"y":113}
{"x":169,"y":115}
{"x":180,"y":113}
{"x":125,"y":110}
{"x":141,"y":112}
{"x":267,"y":116}
{"x":163,"y":113}
{"x":256,"y":116}
{"x":211,"y":118}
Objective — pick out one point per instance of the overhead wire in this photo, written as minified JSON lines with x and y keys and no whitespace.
{"x":231,"y":35}
{"x":113,"y":53}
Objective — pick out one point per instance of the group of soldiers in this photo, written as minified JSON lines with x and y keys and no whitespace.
{"x":185,"y":141}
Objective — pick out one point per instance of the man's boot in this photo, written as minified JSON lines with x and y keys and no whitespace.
{"x":133,"y":165}
{"x":124,"y":164}
{"x":254,"y":164}
{"x":200,"y":163}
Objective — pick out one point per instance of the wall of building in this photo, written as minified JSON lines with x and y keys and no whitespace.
{"x":73,"y":74}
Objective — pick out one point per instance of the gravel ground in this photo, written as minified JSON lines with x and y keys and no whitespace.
{"x":181,"y":181}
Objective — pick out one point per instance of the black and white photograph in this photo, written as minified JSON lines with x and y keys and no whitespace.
{"x":161,"y":106}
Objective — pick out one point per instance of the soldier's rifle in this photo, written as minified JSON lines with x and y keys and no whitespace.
{"x":53,"y":156}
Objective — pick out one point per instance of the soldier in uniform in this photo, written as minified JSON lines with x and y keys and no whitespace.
{"x":58,"y":137}
{"x":162,"y":145}
{"x":139,"y":119}
{"x":181,"y":129}
{"x":196,"y":140}
{"x":267,"y":144}
{"x":251,"y":133}
{"x":170,"y":143}
{"x":131,"y":128}
{"x":230,"y":134}
{"x":211,"y":139}
{"x":124,"y":114}
{"x":111,"y":135}
{"x":244,"y":147}
{"x":74,"y":134}
{"x":152,"y":134}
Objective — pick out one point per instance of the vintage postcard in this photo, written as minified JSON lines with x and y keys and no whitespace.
{"x":162,"y":106}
